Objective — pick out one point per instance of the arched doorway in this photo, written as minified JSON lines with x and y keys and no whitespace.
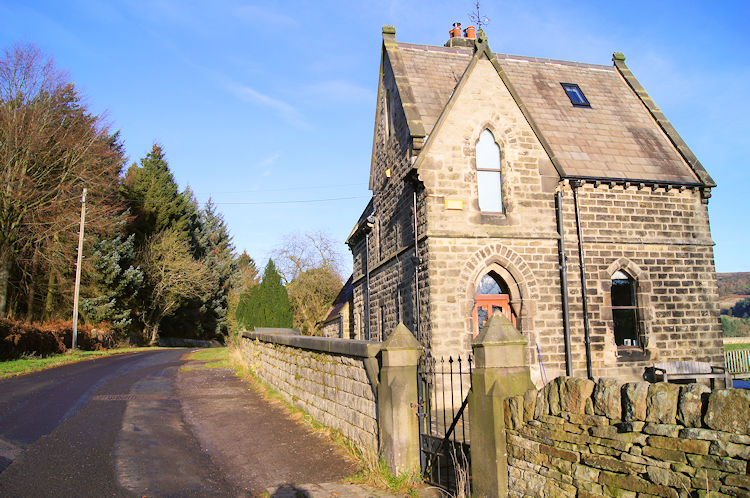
{"x":492,"y":296}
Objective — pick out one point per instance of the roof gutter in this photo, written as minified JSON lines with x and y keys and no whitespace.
{"x":705,"y":189}
{"x":637,"y":182}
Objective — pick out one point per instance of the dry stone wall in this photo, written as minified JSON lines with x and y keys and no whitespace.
{"x":332,"y":387}
{"x":576,"y":437}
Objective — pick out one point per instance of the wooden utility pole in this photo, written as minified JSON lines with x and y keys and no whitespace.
{"x":78,"y":271}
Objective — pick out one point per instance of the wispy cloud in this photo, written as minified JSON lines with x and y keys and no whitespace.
{"x":340,"y":90}
{"x":263,"y":17}
{"x":168,"y":12}
{"x":284,"y":109}
{"x":267,"y":163}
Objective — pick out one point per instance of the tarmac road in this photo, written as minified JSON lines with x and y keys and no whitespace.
{"x":136,"y":425}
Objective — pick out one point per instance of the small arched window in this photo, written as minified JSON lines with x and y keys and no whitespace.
{"x":625,"y":309}
{"x":492,"y":296}
{"x":488,"y":173}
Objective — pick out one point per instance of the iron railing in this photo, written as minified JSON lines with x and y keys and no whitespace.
{"x":444,"y":422}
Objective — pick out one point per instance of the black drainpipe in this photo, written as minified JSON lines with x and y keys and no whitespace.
{"x":368,"y":228}
{"x":564,"y":279}
{"x":587,"y":340}
{"x":416,"y":260}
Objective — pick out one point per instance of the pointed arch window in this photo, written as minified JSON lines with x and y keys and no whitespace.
{"x":387,"y":116}
{"x":625,"y":309}
{"x":492,"y":296}
{"x":489,"y":181}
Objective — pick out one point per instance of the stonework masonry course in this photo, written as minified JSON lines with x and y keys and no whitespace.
{"x":333,"y":388}
{"x":576,"y":437}
{"x":658,"y":235}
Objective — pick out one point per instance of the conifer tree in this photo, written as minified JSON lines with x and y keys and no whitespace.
{"x":245,"y":277}
{"x":117,"y":283}
{"x":214,"y":247}
{"x":267,"y":304}
{"x":155,"y":198}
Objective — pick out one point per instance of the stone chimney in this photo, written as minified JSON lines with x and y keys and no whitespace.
{"x":459,"y":38}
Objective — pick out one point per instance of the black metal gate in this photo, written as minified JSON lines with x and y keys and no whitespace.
{"x":444,"y":437}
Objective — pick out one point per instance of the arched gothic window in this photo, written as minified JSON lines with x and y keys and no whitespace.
{"x":488,"y":173}
{"x":492,"y":296}
{"x":625,"y":309}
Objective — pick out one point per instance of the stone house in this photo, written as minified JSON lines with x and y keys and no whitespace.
{"x":339,"y":317}
{"x":493,"y":174}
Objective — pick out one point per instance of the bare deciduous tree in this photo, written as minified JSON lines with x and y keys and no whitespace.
{"x":310,"y":265}
{"x":310,"y":296}
{"x":297,"y":253}
{"x":173,"y":276}
{"x":50,"y":148}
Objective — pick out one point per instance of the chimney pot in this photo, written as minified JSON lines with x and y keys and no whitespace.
{"x":471,"y":32}
{"x":456,"y":31}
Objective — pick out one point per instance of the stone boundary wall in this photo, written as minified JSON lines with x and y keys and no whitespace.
{"x":575,"y":437}
{"x":333,"y":380}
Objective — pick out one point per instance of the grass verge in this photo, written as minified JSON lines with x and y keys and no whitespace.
{"x":732,"y":347}
{"x":374,"y":472}
{"x":32,"y":363}
{"x":211,"y":358}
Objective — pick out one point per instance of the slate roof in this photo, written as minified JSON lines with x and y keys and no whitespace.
{"x":369,"y":210}
{"x":617,"y":137}
{"x":433,"y":73}
{"x":343,"y":297}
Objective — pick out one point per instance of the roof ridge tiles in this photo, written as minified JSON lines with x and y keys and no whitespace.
{"x":466,"y":51}
{"x":543,"y":60}
{"x":437,"y":48}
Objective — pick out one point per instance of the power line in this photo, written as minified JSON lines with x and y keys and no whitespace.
{"x":293,"y":202}
{"x":358,"y":184}
{"x":299,"y":201}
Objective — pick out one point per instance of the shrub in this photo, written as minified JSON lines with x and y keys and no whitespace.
{"x":735,"y":327}
{"x":18,"y":339}
{"x":741,"y":309}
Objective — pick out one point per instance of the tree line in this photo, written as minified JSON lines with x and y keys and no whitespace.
{"x":156,"y":263}
{"x":736,"y":323}
{"x":733,"y":283}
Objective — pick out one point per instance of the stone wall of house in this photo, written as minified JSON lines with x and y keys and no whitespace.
{"x":331,"y":328}
{"x":661,"y":238}
{"x":390,"y":264}
{"x":327,"y":378}
{"x":359,"y":291}
{"x":575,"y":437}
{"x":340,"y":327}
{"x":464,"y":243}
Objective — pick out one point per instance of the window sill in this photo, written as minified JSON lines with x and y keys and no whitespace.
{"x":632,"y":353}
{"x":493,"y":217}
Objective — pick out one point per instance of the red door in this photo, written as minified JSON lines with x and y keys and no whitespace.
{"x":485,"y":305}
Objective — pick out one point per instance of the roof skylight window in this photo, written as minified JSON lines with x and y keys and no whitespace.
{"x":575,"y":94}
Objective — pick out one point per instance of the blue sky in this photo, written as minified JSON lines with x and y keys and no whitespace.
{"x":263,"y":105}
